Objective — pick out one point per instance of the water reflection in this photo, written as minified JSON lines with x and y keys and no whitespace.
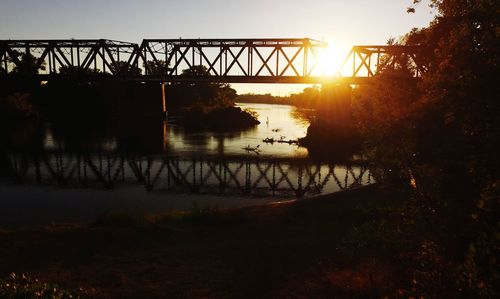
{"x":145,"y":136}
{"x":75,"y":170}
{"x":157,"y":173}
{"x":162,"y":156}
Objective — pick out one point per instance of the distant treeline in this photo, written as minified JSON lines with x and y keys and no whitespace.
{"x":309,"y":97}
{"x":263,"y":99}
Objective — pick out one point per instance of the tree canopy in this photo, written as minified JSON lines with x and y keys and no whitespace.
{"x":201,"y":93}
{"x":444,"y":131}
{"x":28,"y":65}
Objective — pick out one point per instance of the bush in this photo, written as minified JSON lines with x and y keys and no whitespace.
{"x":23,"y":286}
{"x":228,"y":118}
{"x":17,"y":106}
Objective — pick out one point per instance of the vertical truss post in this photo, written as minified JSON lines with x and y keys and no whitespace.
{"x":78,"y":56}
{"x":306,"y":59}
{"x":225,"y":60}
{"x":193,"y":63}
{"x":249,"y":60}
{"x":49,"y":57}
{"x":278,"y":48}
{"x":354,"y":62}
{"x":176,"y":62}
{"x":370,"y":74}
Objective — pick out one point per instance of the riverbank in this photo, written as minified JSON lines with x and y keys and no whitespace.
{"x":338,"y":245}
{"x":218,"y":119}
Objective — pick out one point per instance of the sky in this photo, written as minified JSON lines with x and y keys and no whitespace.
{"x":341,"y":23}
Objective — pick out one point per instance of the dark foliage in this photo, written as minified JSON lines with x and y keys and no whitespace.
{"x":199,"y":94}
{"x":17,"y":107}
{"x":24,"y":286}
{"x":263,"y":98}
{"x":442,"y":137}
{"x":225,"y":119}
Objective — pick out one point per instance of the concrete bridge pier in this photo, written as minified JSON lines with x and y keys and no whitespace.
{"x":165,"y":112}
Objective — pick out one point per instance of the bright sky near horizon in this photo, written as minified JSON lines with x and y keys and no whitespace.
{"x":341,"y":23}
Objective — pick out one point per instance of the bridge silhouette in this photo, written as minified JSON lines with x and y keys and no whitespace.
{"x":204,"y":175}
{"x":277,"y":60}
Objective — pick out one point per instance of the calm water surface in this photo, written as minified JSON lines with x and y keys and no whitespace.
{"x":277,"y":121}
{"x":62,"y":175}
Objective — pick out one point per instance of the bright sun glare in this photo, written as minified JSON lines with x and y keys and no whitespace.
{"x":330,"y":59}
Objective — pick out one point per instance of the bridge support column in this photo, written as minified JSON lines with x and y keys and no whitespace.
{"x":163,"y":99}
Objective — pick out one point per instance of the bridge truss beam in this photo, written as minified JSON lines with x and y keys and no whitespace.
{"x":368,"y":61}
{"x":232,"y":60}
{"x":207,"y":60}
{"x":66,"y":57}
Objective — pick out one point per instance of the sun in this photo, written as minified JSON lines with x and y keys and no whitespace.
{"x":331,"y":58}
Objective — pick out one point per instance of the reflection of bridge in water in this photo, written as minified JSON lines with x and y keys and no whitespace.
{"x":244,"y":175}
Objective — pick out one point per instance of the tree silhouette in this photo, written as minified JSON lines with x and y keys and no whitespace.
{"x":444,"y":134}
{"x":124,"y":68}
{"x":201,"y":93}
{"x":78,"y":71}
{"x":156,"y":68}
{"x":27,"y":65}
{"x":196,"y":71}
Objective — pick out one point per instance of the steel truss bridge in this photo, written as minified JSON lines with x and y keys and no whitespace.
{"x":237,"y":175}
{"x":282,"y":60}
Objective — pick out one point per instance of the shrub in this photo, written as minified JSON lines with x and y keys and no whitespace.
{"x":23,"y":286}
{"x":17,"y":106}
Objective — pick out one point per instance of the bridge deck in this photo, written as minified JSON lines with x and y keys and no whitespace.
{"x":211,"y":79}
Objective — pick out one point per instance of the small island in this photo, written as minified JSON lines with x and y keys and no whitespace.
{"x":220,"y":119}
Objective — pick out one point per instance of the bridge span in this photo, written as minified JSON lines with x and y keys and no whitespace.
{"x":263,"y":60}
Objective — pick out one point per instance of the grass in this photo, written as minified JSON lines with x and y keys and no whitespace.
{"x":195,"y":215}
{"x":343,"y":245}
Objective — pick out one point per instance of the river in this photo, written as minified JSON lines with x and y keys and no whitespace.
{"x":276,"y":121}
{"x":63,"y":175}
